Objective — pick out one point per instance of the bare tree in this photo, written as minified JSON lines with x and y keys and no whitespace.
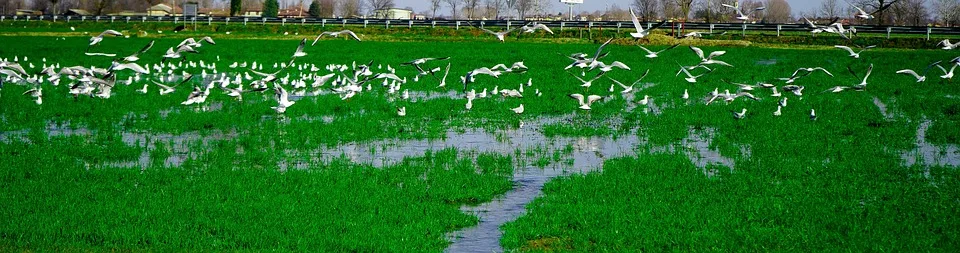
{"x":778,"y":11}
{"x":492,"y":8}
{"x":947,"y":11}
{"x":647,"y":9}
{"x":829,"y":9}
{"x":434,"y":7}
{"x":876,"y":7}
{"x":541,"y":7}
{"x":349,"y":8}
{"x":684,"y":7}
{"x":713,"y":10}
{"x":909,"y":12}
{"x":616,"y":13}
{"x":376,"y":5}
{"x":453,"y":7}
{"x":470,"y":7}
{"x":521,"y":6}
{"x":669,"y":9}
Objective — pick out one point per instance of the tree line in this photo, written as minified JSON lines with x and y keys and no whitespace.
{"x":887,"y":12}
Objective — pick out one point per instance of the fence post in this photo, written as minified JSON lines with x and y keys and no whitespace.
{"x":159,"y":19}
{"x":344,"y":23}
{"x":82,"y":18}
{"x":711,"y":28}
{"x":28,"y":18}
{"x":323,"y":23}
{"x":508,"y":24}
{"x":283,"y":21}
{"x":561,"y":25}
{"x":112,"y":18}
{"x":227,"y":21}
{"x":889,"y":29}
{"x":209,"y":21}
{"x":410,"y":24}
{"x":388,"y":24}
{"x":433,"y":24}
{"x":365,"y":22}
{"x":618,"y":26}
{"x":54,"y":18}
{"x":68,"y":19}
{"x":458,"y":25}
{"x":98,"y":18}
{"x":245,"y":21}
{"x":2,"y":18}
{"x":744,"y":31}
{"x":929,"y":30}
{"x":778,"y":29}
{"x":303,"y":21}
{"x":482,"y":24}
{"x":142,"y":21}
{"x":590,"y":25}
{"x":14,"y":18}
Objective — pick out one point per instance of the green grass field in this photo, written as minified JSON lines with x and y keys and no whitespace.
{"x":90,"y":174}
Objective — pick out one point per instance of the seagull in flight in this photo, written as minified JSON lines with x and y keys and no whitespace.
{"x":628,"y":89}
{"x":97,"y":39}
{"x":740,"y":15}
{"x":855,"y":55}
{"x":136,"y":56}
{"x":652,"y":54}
{"x":534,"y":26}
{"x":690,"y":77}
{"x":708,"y":59}
{"x":585,"y":104}
{"x":862,"y":84}
{"x":947,"y":74}
{"x":920,"y":78}
{"x":283,"y":100}
{"x":500,"y":35}
{"x":587,"y":83}
{"x":642,"y":33}
{"x":947,"y":46}
{"x":335,"y":34}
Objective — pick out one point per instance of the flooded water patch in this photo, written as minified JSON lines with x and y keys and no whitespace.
{"x":928,"y":154}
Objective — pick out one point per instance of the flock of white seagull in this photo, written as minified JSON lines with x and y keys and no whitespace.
{"x":175,"y":71}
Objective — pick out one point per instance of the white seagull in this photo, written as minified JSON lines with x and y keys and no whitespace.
{"x":642,"y":33}
{"x":585,"y":104}
{"x":335,"y":34}
{"x":855,"y":55}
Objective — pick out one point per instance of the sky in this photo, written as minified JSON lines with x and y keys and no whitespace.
{"x":592,"y":5}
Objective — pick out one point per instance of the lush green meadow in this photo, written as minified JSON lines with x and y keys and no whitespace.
{"x":71,"y":181}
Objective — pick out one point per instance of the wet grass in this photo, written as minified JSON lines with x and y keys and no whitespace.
{"x":248,"y":183}
{"x":59,"y":196}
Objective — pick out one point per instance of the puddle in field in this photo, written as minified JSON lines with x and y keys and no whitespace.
{"x":697,"y":147}
{"x":928,"y":154}
{"x":883,"y":108}
{"x":579,"y":155}
{"x":767,"y":62}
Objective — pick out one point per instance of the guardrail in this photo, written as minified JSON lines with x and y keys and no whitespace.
{"x":561,"y":25}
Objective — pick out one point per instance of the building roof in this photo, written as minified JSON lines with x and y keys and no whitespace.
{"x":165,"y":8}
{"x":81,"y":12}
{"x":291,"y":13}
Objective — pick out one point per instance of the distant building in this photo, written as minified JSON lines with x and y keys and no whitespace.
{"x":164,"y":10}
{"x":125,"y":13}
{"x":292,"y":13}
{"x":253,"y":12}
{"x":26,"y":12}
{"x":394,"y":13}
{"x":213,"y":12}
{"x":76,"y":12}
